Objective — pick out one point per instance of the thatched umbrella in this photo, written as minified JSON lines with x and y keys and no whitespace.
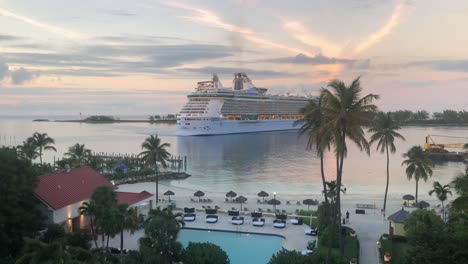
{"x":422,"y":205}
{"x":263,"y":194}
{"x":408,"y":197}
{"x":169,"y":193}
{"x":231,"y":194}
{"x":241,"y":199}
{"x":199,"y":194}
{"x":309,"y":202}
{"x":274,"y":202}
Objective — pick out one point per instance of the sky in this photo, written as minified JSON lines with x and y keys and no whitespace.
{"x":142,"y":57}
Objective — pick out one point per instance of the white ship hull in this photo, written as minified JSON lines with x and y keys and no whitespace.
{"x":218,"y":127}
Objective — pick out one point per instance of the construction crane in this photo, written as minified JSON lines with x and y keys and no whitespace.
{"x":431,"y":145}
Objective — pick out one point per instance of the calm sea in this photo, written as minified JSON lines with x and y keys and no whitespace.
{"x":272,"y":161}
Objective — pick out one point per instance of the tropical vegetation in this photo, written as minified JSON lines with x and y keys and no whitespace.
{"x":441,"y":191}
{"x":384,"y":134}
{"x":154,"y":152}
{"x":79,"y":153}
{"x":418,"y":165}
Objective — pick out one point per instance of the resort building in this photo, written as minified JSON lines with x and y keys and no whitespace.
{"x":397,"y":223}
{"x":62,"y":193}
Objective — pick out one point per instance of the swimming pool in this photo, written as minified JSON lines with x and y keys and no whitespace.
{"x":241,"y":248}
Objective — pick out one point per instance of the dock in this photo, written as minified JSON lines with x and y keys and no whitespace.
{"x":153,"y":177}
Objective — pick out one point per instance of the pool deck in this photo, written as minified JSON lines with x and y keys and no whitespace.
{"x":294,"y":237}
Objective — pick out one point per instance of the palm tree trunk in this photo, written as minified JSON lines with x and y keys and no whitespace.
{"x":338,"y":193}
{"x":103,"y":236}
{"x":333,"y":214}
{"x":121,"y":242}
{"x":325,"y":194}
{"x":388,"y":180}
{"x":443,"y":211}
{"x":40,"y":155}
{"x":107,"y":243}
{"x":417,"y":180}
{"x":157,"y":183}
{"x":92,"y":231}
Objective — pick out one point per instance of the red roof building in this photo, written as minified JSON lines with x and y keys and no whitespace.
{"x":60,"y":189}
{"x":62,"y":194}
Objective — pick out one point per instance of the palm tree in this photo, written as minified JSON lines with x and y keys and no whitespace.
{"x":89,"y":210}
{"x":43,"y":142}
{"x":332,"y":190}
{"x":311,"y":128}
{"x":418,"y":165}
{"x":345,"y":112}
{"x":78,"y":152}
{"x":384,"y":129}
{"x":441,"y":193}
{"x":153,"y":153}
{"x":460,"y":185}
{"x":126,"y":219}
{"x":28,"y":150}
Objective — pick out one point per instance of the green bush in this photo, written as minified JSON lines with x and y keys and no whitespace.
{"x":79,"y":239}
{"x":54,"y":232}
{"x":287,"y":257}
{"x":204,"y":253}
{"x":326,"y":236}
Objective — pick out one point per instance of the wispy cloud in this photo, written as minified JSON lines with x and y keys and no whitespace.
{"x":383,"y":31}
{"x":306,"y":36}
{"x":47,"y":27}
{"x":209,"y":18}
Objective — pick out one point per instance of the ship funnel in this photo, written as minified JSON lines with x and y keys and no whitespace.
{"x":216,"y":82}
{"x":241,"y":81}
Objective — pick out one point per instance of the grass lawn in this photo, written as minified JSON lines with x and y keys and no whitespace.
{"x":396,"y":248}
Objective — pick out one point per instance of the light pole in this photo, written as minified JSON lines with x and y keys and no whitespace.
{"x":274,"y":204}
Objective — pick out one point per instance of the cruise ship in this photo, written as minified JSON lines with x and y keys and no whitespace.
{"x":244,"y":108}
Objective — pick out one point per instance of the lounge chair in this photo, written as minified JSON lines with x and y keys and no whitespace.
{"x":256,"y":215}
{"x":226,"y":200}
{"x":217,"y":207}
{"x":260,"y":210}
{"x":192,"y":200}
{"x":246,"y":209}
{"x":233,"y":213}
{"x":279,"y":223}
{"x":311,"y":244}
{"x":268,"y":210}
{"x":209,"y":207}
{"x":233,"y":208}
{"x":288,"y":202}
{"x":258,"y":222}
{"x":237,"y":220}
{"x":259,"y":201}
{"x":297,"y":221}
{"x":284,"y":211}
{"x":211,"y":219}
{"x":203,"y":207}
{"x":190,"y":217}
{"x":209,"y":211}
{"x":298,"y":203}
{"x":313,"y":231}
{"x":189,"y":210}
{"x":306,"y":252}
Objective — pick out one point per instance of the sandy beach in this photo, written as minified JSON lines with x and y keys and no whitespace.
{"x":369,"y":226}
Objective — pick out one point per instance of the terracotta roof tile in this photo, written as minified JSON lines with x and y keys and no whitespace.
{"x":64,"y":188}
{"x":132,"y":198}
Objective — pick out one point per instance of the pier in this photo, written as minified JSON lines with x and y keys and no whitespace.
{"x":153,"y":177}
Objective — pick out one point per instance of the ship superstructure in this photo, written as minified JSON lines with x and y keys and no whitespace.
{"x":213,"y":109}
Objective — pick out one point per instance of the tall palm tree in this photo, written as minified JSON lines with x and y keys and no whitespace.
{"x":384,"y":129}
{"x":89,"y":209}
{"x":460,"y":185}
{"x":79,"y":153}
{"x":418,"y":165}
{"x":311,"y":128}
{"x":43,"y":142}
{"x":154,"y":152}
{"x":346,"y":111}
{"x":441,"y":193}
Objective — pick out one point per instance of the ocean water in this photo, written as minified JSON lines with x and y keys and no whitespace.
{"x":241,"y":248}
{"x":247,"y":163}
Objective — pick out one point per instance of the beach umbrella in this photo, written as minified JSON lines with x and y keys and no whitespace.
{"x":309,"y":202}
{"x":274,"y":202}
{"x":241,"y":199}
{"x":422,"y":205}
{"x":169,"y":193}
{"x":199,"y":194}
{"x":408,"y":197}
{"x":263,"y":194}
{"x":231,"y":194}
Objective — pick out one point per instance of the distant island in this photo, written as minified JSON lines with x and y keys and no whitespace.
{"x":99,"y":119}
{"x":422,"y":117}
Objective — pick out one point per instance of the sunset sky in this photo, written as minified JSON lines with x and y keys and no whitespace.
{"x":142,"y":57}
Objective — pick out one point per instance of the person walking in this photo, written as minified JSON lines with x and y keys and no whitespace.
{"x":347,"y":216}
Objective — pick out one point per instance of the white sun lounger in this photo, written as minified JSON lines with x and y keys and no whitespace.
{"x":306,"y":252}
{"x":237,"y":220}
{"x":211,"y":218}
{"x":258,"y":222}
{"x":189,"y":217}
{"x":279,"y":223}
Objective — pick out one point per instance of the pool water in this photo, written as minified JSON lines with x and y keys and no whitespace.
{"x":241,"y":248}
